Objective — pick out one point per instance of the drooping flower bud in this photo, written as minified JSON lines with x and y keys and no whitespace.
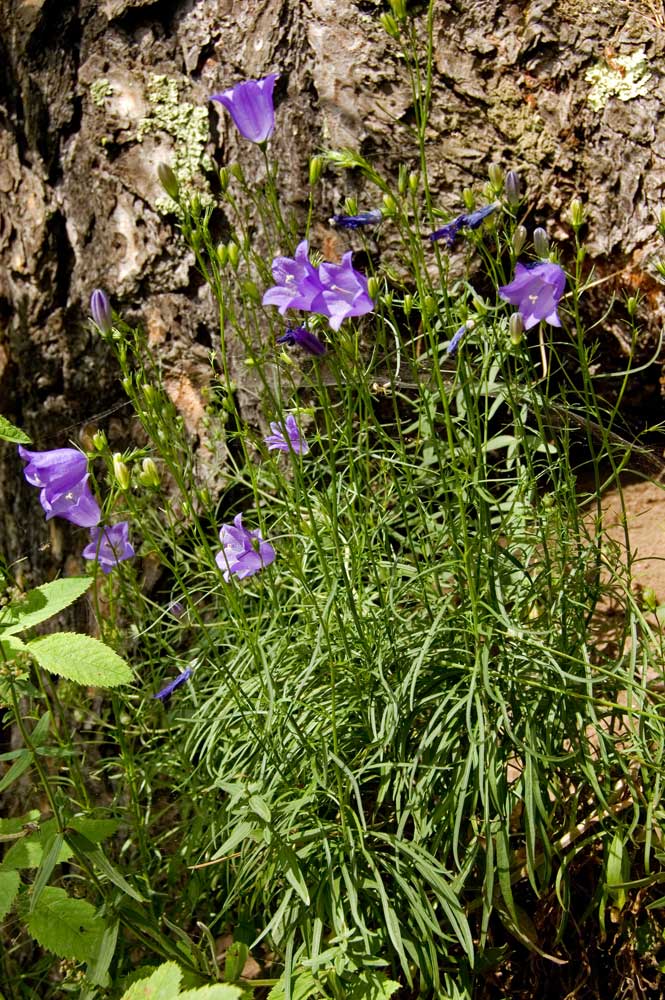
{"x":541,"y":242}
{"x":519,"y":239}
{"x":516,"y":328}
{"x":512,"y":188}
{"x":101,"y":310}
{"x":168,"y":180}
{"x":120,"y":471}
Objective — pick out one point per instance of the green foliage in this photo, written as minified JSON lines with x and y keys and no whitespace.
{"x":164,"y":984}
{"x":65,"y":926}
{"x":10,"y":433}
{"x":80,"y":658}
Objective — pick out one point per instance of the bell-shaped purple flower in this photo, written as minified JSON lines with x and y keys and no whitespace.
{"x":286,"y":437}
{"x":77,"y":504}
{"x":345,"y":292}
{"x":536,"y":291}
{"x":469,"y":220}
{"x":172,"y":685}
{"x":250,"y":105}
{"x":55,"y":471}
{"x":109,"y":545}
{"x":297,"y":282}
{"x":244,"y":552}
{"x":304,"y":338}
{"x":101,"y":310}
{"x":372,"y":218}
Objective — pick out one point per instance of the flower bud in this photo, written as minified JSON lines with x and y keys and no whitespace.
{"x":351,"y":205}
{"x":223,"y":254}
{"x":251,"y":292}
{"x":650,"y":599}
{"x":234,"y":254}
{"x":128,"y":384}
{"x":541,"y":242}
{"x":373,"y":286}
{"x":168,"y":180}
{"x":224,"y":179}
{"x":120,"y":471}
{"x":101,"y":310}
{"x":512,"y":188}
{"x":149,"y":476}
{"x":150,"y":395}
{"x":519,"y":239}
{"x":389,"y":24}
{"x":402,"y":179}
{"x":414,"y":181}
{"x":389,"y":205}
{"x":469,"y":199}
{"x":398,"y":8}
{"x":576,"y":213}
{"x":631,"y":305}
{"x":315,"y":170}
{"x":516,"y":328}
{"x":495,"y":174}
{"x":99,"y":441}
{"x":236,"y":170}
{"x":408,"y":303}
{"x":429,"y":305}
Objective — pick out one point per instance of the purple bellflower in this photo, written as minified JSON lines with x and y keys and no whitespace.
{"x":451,"y":350}
{"x":297,"y":282}
{"x":62,"y":475}
{"x":333,"y":290}
{"x":172,"y":685}
{"x":101,"y":310}
{"x":244,"y":552}
{"x":536,"y":290}
{"x":372,"y":218}
{"x":251,"y":108}
{"x":304,"y":338}
{"x":286,"y":437}
{"x":345,"y":292}
{"x":469,"y":220}
{"x":109,"y":545}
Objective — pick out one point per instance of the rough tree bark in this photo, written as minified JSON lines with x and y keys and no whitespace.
{"x":95,"y":94}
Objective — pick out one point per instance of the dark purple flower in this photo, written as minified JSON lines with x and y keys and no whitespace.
{"x":286,"y":437}
{"x":101,"y":311}
{"x":345,"y":292}
{"x":469,"y":220}
{"x":172,"y":685}
{"x":297,"y":282}
{"x":372,"y":218}
{"x":455,"y":342}
{"x":304,"y":338}
{"x":77,"y":504}
{"x":177,"y":609}
{"x":109,"y":545}
{"x":250,"y":105}
{"x":243,"y":552}
{"x":536,"y":291}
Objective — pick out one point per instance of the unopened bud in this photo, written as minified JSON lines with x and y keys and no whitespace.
{"x":101,"y":310}
{"x":128,"y":384}
{"x":236,"y":170}
{"x":120,"y":471}
{"x":512,"y":188}
{"x":541,"y":242}
{"x":234,"y":254}
{"x":516,"y":328}
{"x":429,"y":305}
{"x":149,"y":476}
{"x":389,"y":24}
{"x":469,"y":199}
{"x":150,"y":395}
{"x":351,"y":205}
{"x":373,"y":286}
{"x":315,"y":170}
{"x":168,"y":180}
{"x":99,"y":441}
{"x":402,"y":179}
{"x":576,"y":213}
{"x":398,"y":8}
{"x":389,"y":205}
{"x":495,"y":174}
{"x":223,"y":254}
{"x":650,"y":599}
{"x":223,"y":179}
{"x":631,"y":305}
{"x":414,"y":181}
{"x":250,"y":291}
{"x":408,"y":304}
{"x":519,"y":239}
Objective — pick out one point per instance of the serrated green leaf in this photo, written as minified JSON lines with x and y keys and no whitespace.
{"x":9,"y":886}
{"x":66,"y":926}
{"x":81,"y":659}
{"x":94,"y":830}
{"x":163,"y":984}
{"x":45,"y":601}
{"x":218,"y":991}
{"x":304,"y":986}
{"x":234,"y":963}
{"x":10,"y":433}
{"x":29,"y":851}
{"x":19,"y":767}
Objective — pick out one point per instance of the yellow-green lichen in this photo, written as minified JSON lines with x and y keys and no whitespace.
{"x":99,"y":91}
{"x":627,"y":77}
{"x":188,"y":127}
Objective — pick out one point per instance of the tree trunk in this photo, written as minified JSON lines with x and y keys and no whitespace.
{"x":96,"y":94}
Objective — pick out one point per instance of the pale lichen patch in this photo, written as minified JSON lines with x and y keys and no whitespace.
{"x":100,"y":90}
{"x":188,"y":127}
{"x":626,"y":78}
